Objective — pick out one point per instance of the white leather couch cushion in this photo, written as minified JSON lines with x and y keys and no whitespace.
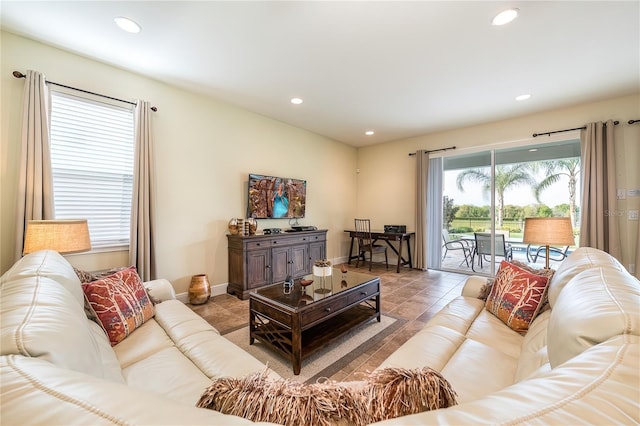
{"x":600,"y":387}
{"x":148,"y":339}
{"x":40,"y":318}
{"x":472,"y":349}
{"x":580,"y":260}
{"x":170,"y":373}
{"x":534,"y":358}
{"x":197,"y":339}
{"x":178,"y":353}
{"x":595,"y":305}
{"x":51,"y":264}
{"x":58,"y":396}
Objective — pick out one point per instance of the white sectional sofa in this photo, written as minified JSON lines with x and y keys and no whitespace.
{"x":58,"y":367}
{"x":578,"y":363}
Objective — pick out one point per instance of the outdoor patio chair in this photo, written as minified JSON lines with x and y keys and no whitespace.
{"x":449,"y":244}
{"x":483,"y":248}
{"x":555,"y":253}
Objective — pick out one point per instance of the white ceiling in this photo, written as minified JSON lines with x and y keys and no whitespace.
{"x":399,"y":68}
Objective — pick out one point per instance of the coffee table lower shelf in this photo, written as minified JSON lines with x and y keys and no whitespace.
{"x":281,"y":338}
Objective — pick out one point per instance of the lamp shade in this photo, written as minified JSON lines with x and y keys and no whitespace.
{"x":63,"y":236}
{"x":548,"y":231}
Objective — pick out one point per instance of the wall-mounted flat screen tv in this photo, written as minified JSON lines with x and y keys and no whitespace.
{"x":272,"y":197}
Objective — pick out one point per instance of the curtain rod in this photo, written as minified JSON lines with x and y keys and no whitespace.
{"x":535,"y":135}
{"x":18,"y":74}
{"x":633,"y":121}
{"x":434,"y":150}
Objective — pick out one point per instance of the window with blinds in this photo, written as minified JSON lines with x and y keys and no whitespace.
{"x":92,"y":149}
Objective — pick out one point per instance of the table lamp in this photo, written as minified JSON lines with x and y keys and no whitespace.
{"x":63,"y":236}
{"x":548,"y":231}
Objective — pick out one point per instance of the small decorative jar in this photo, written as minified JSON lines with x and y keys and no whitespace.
{"x":322,"y":269}
{"x":233,"y":226}
{"x":199,"y":289}
{"x":253,"y":226}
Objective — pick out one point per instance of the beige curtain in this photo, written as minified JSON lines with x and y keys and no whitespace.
{"x":142,"y":238}
{"x":599,"y":218}
{"x":35,"y":183}
{"x":422,"y":173}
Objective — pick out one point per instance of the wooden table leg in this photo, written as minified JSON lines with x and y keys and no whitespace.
{"x":350,"y":250}
{"x":252,"y":326}
{"x":408,"y":240}
{"x":399,"y":256}
{"x":296,"y":345}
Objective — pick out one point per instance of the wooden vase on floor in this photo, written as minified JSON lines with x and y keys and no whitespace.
{"x":199,"y":290}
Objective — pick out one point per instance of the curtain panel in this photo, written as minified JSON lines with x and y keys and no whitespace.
{"x":599,"y":216}
{"x":434,"y":214}
{"x":35,"y":181}
{"x":143,"y":210}
{"x":422,"y":174}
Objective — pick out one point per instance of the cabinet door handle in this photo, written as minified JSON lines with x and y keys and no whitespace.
{"x":275,"y":242}
{"x":327,"y":309}
{"x":304,"y":239}
{"x":268,"y":266}
{"x":257,"y":244}
{"x":364,"y":293}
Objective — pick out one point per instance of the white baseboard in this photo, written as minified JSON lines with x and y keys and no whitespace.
{"x":216,"y":290}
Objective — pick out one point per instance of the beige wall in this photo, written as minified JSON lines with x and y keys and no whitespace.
{"x":386,"y":178}
{"x":204,"y":152}
{"x":205,"y":149}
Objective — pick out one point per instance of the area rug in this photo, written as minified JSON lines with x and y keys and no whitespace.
{"x":327,"y":361}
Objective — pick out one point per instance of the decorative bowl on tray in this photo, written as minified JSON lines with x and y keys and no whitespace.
{"x":305,"y":283}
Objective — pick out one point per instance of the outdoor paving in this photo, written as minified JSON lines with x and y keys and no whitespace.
{"x":454,"y":261}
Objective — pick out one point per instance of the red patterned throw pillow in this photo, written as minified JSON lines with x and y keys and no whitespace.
{"x":517,"y":296}
{"x":120,"y":302}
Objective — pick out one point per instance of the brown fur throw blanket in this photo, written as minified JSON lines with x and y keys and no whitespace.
{"x":383,"y":394}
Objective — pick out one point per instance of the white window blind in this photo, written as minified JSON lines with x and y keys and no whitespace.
{"x":92,"y":149}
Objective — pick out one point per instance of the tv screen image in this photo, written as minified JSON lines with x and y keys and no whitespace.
{"x":272,"y":197}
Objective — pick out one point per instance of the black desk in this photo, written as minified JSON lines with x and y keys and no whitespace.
{"x":388,"y":237}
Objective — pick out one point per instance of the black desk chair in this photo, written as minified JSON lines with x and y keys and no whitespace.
{"x":483,"y":247}
{"x":365,"y":243}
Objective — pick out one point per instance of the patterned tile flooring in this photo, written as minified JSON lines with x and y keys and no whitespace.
{"x":411,"y":294}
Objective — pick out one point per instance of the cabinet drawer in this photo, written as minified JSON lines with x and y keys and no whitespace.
{"x":288,"y":241}
{"x":264,"y":310}
{"x":252,"y":245}
{"x":320,"y":310}
{"x":317,"y":237}
{"x":364,"y":293}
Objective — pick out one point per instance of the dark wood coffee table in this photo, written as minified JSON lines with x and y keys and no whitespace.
{"x":303,"y":321}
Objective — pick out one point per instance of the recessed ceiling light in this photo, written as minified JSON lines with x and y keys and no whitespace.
{"x":505,"y":17}
{"x":369,"y":133}
{"x":127,"y":24}
{"x":533,"y":149}
{"x":523,"y":97}
{"x":296,"y":101}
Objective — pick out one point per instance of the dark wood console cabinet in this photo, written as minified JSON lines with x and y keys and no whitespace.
{"x":258,"y":260}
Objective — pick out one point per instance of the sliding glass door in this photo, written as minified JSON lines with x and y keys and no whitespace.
{"x":486,"y":195}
